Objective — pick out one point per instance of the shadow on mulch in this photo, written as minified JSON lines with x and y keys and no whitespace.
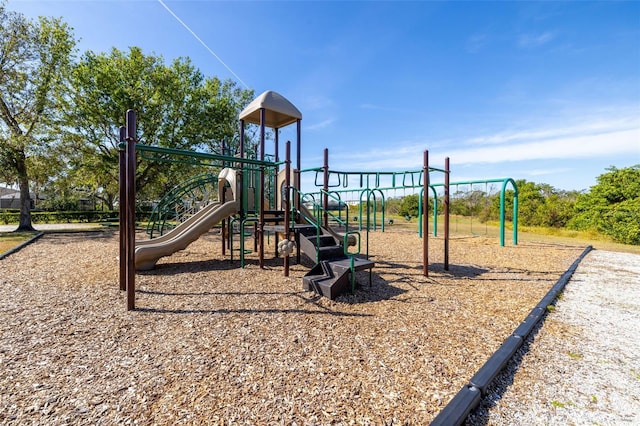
{"x":455,"y":271}
{"x":169,"y":269}
{"x":251,"y":311}
{"x":67,"y":236}
{"x":458,"y":271}
{"x":306,"y":297}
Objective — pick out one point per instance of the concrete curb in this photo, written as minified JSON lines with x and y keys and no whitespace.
{"x":468,"y":398}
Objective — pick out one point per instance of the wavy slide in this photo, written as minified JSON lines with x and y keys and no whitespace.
{"x":148,"y":252}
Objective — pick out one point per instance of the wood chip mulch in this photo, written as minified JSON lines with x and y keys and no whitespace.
{"x":211,"y":343}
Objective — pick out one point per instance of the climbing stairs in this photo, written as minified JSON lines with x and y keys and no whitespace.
{"x":331,"y":278}
{"x":334,"y":272}
{"x":318,"y":244}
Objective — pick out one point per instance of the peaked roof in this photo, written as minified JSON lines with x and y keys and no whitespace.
{"x":279,"y":112}
{"x":8,"y":192}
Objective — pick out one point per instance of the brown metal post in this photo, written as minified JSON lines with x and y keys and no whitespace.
{"x":241,"y":177}
{"x":131,"y":209}
{"x":446,"y":213}
{"x":260,"y":202}
{"x":325,"y":196}
{"x":425,"y":215}
{"x":296,"y":182}
{"x":276,"y":142}
{"x":287,"y":200}
{"x":274,"y":182}
{"x":223,"y":222}
{"x":298,"y":144}
{"x":122,"y":208}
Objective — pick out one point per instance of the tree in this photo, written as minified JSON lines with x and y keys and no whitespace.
{"x":409,"y":205}
{"x":539,"y":204}
{"x":177,"y":107}
{"x":34,"y":59}
{"x":612,"y":206}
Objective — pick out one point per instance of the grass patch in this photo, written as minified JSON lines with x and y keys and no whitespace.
{"x":465,"y":226}
{"x":574,"y":355}
{"x":9,"y":240}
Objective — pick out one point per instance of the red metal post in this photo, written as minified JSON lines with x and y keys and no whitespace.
{"x":131,"y":209}
{"x":425,"y":215}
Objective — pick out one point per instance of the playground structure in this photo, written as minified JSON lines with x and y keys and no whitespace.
{"x":260,"y":196}
{"x":256,"y":197}
{"x":371,"y":187}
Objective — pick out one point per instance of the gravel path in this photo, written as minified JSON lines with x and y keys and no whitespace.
{"x":582,"y":366}
{"x":52,"y":226}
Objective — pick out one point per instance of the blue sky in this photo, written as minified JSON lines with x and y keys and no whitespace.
{"x":543,"y":91}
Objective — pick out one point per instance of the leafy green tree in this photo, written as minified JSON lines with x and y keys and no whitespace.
{"x":539,"y":204}
{"x":176,"y":106}
{"x":34,"y":59}
{"x":470,"y":203}
{"x":612,"y":206}
{"x":392,"y":206}
{"x":530,"y":203}
{"x":558,"y":209}
{"x":409,"y":205}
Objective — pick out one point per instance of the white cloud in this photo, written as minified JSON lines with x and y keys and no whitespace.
{"x":314,"y":102}
{"x":320,"y":125}
{"x":598,"y":138}
{"x":543,"y":172}
{"x":588,"y":127}
{"x":580,"y":146}
{"x":369,"y":106}
{"x":535,"y":40}
{"x":476,"y":43}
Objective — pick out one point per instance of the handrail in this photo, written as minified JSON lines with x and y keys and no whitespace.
{"x":341,"y":203}
{"x":158,"y":217}
{"x":203,"y":155}
{"x":316,"y":221}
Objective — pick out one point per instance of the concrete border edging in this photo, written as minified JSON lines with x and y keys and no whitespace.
{"x":468,"y":398}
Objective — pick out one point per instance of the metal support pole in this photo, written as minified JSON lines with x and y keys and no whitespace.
{"x":446,"y":213}
{"x":425,"y":215}
{"x":259,"y":203}
{"x":325,"y":195}
{"x":273,"y":183}
{"x":241,"y":176}
{"x":296,"y":182}
{"x":287,"y":200}
{"x":223,"y":222}
{"x":276,"y":142}
{"x":131,"y":209}
{"x":122,"y":208}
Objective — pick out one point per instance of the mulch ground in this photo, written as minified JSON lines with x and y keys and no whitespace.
{"x":210,"y":343}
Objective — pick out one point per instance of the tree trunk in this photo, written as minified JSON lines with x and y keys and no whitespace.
{"x":25,"y":198}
